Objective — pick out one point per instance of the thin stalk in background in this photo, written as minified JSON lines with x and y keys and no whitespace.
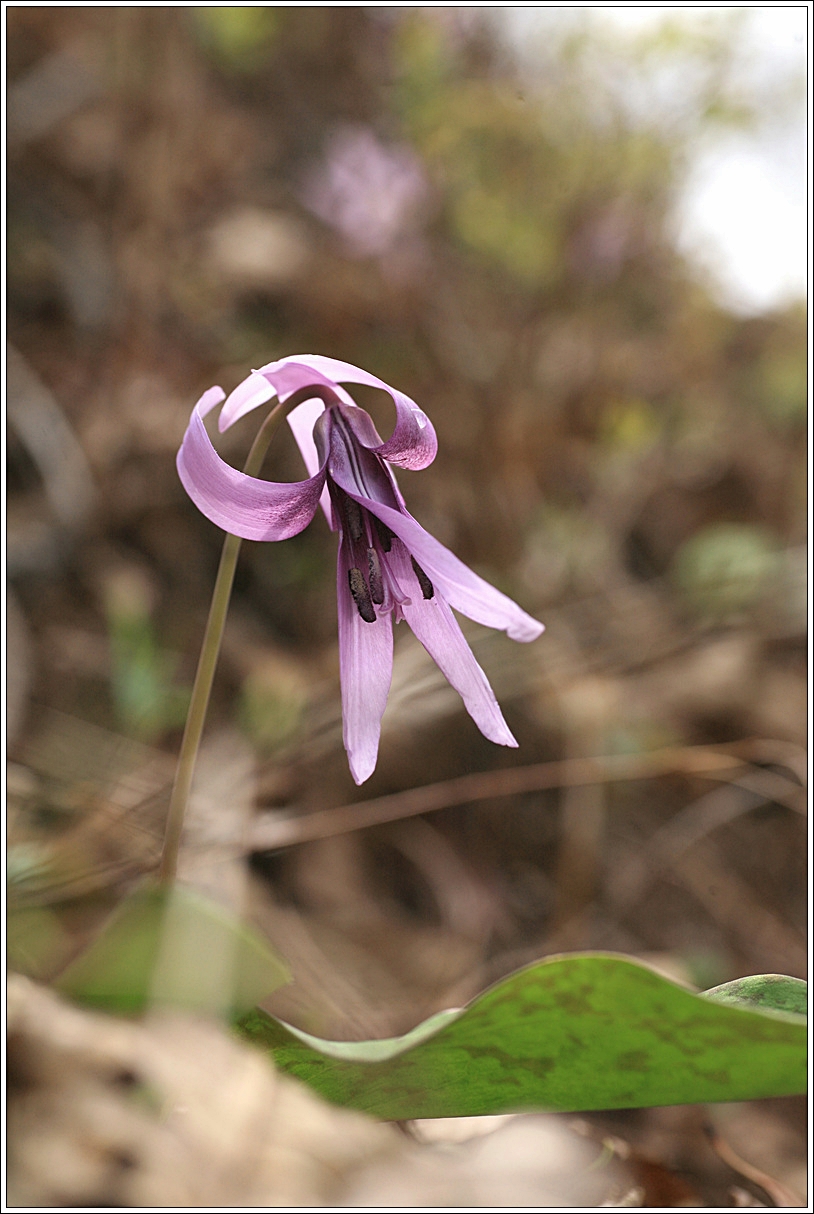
{"x":205,"y":674}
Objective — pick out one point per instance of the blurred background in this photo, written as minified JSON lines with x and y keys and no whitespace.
{"x":576,"y":238}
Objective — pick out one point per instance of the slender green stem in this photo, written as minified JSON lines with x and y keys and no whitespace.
{"x":210,"y":650}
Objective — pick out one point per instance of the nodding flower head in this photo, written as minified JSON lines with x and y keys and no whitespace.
{"x":389,"y":567}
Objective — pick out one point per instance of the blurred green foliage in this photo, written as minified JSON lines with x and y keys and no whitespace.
{"x":272,"y":704}
{"x":781,"y":387}
{"x":146,"y":699}
{"x":524,"y":163}
{"x":238,"y":37}
{"x":630,"y":427}
{"x":726,"y":568}
{"x":35,"y":939}
{"x":174,"y":947}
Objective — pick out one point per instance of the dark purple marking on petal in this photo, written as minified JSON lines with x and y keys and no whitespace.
{"x":413,"y":443}
{"x":361,"y":595}
{"x":423,"y":581}
{"x":355,"y":465}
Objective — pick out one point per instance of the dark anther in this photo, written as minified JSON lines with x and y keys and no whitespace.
{"x":361,"y":596}
{"x":423,"y":581}
{"x":354,"y":515}
{"x":374,"y":576}
{"x":384,"y":533}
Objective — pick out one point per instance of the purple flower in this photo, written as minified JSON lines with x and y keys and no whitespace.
{"x":389,"y":567}
{"x":371,"y":193}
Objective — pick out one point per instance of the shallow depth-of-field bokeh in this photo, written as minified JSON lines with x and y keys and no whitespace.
{"x":195,"y":192}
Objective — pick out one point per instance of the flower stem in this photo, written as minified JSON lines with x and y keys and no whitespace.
{"x":204,"y":676}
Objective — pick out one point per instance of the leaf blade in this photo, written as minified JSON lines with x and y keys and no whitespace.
{"x":767,"y":992}
{"x":173,"y":947}
{"x":571,"y":1033}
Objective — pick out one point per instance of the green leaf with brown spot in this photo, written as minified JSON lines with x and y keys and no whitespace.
{"x":575,"y":1032}
{"x":768,"y":992}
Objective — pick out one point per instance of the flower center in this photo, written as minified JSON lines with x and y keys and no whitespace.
{"x":371,"y":579}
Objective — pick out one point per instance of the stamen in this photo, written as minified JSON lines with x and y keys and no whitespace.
{"x":353,"y":512}
{"x":384,"y":533}
{"x":375,"y":576}
{"x":423,"y":581}
{"x":361,"y":596}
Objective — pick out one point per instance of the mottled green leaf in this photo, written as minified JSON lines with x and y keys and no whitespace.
{"x":173,"y":947}
{"x":576,"y":1032}
{"x":764,"y":991}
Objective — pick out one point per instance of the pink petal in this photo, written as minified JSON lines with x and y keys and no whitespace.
{"x":362,"y":429}
{"x":210,"y":398}
{"x":355,"y":466}
{"x":253,"y":391}
{"x":292,"y":374}
{"x":253,"y":509}
{"x":413,"y":443}
{"x":461,"y":588}
{"x":366,"y":668}
{"x":302,"y":421}
{"x":439,"y":632}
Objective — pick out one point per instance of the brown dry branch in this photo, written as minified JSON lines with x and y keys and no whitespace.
{"x":272,"y":830}
{"x":781,"y":1194}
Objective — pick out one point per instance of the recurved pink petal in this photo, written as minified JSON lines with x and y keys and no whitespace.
{"x":461,"y":588}
{"x":207,"y":402}
{"x":366,"y":668}
{"x":254,"y":390}
{"x":413,"y":443}
{"x":438,"y":631}
{"x":243,"y":505}
{"x":298,"y":371}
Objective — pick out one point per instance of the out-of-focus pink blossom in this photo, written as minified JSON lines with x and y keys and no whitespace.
{"x":372,"y":194}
